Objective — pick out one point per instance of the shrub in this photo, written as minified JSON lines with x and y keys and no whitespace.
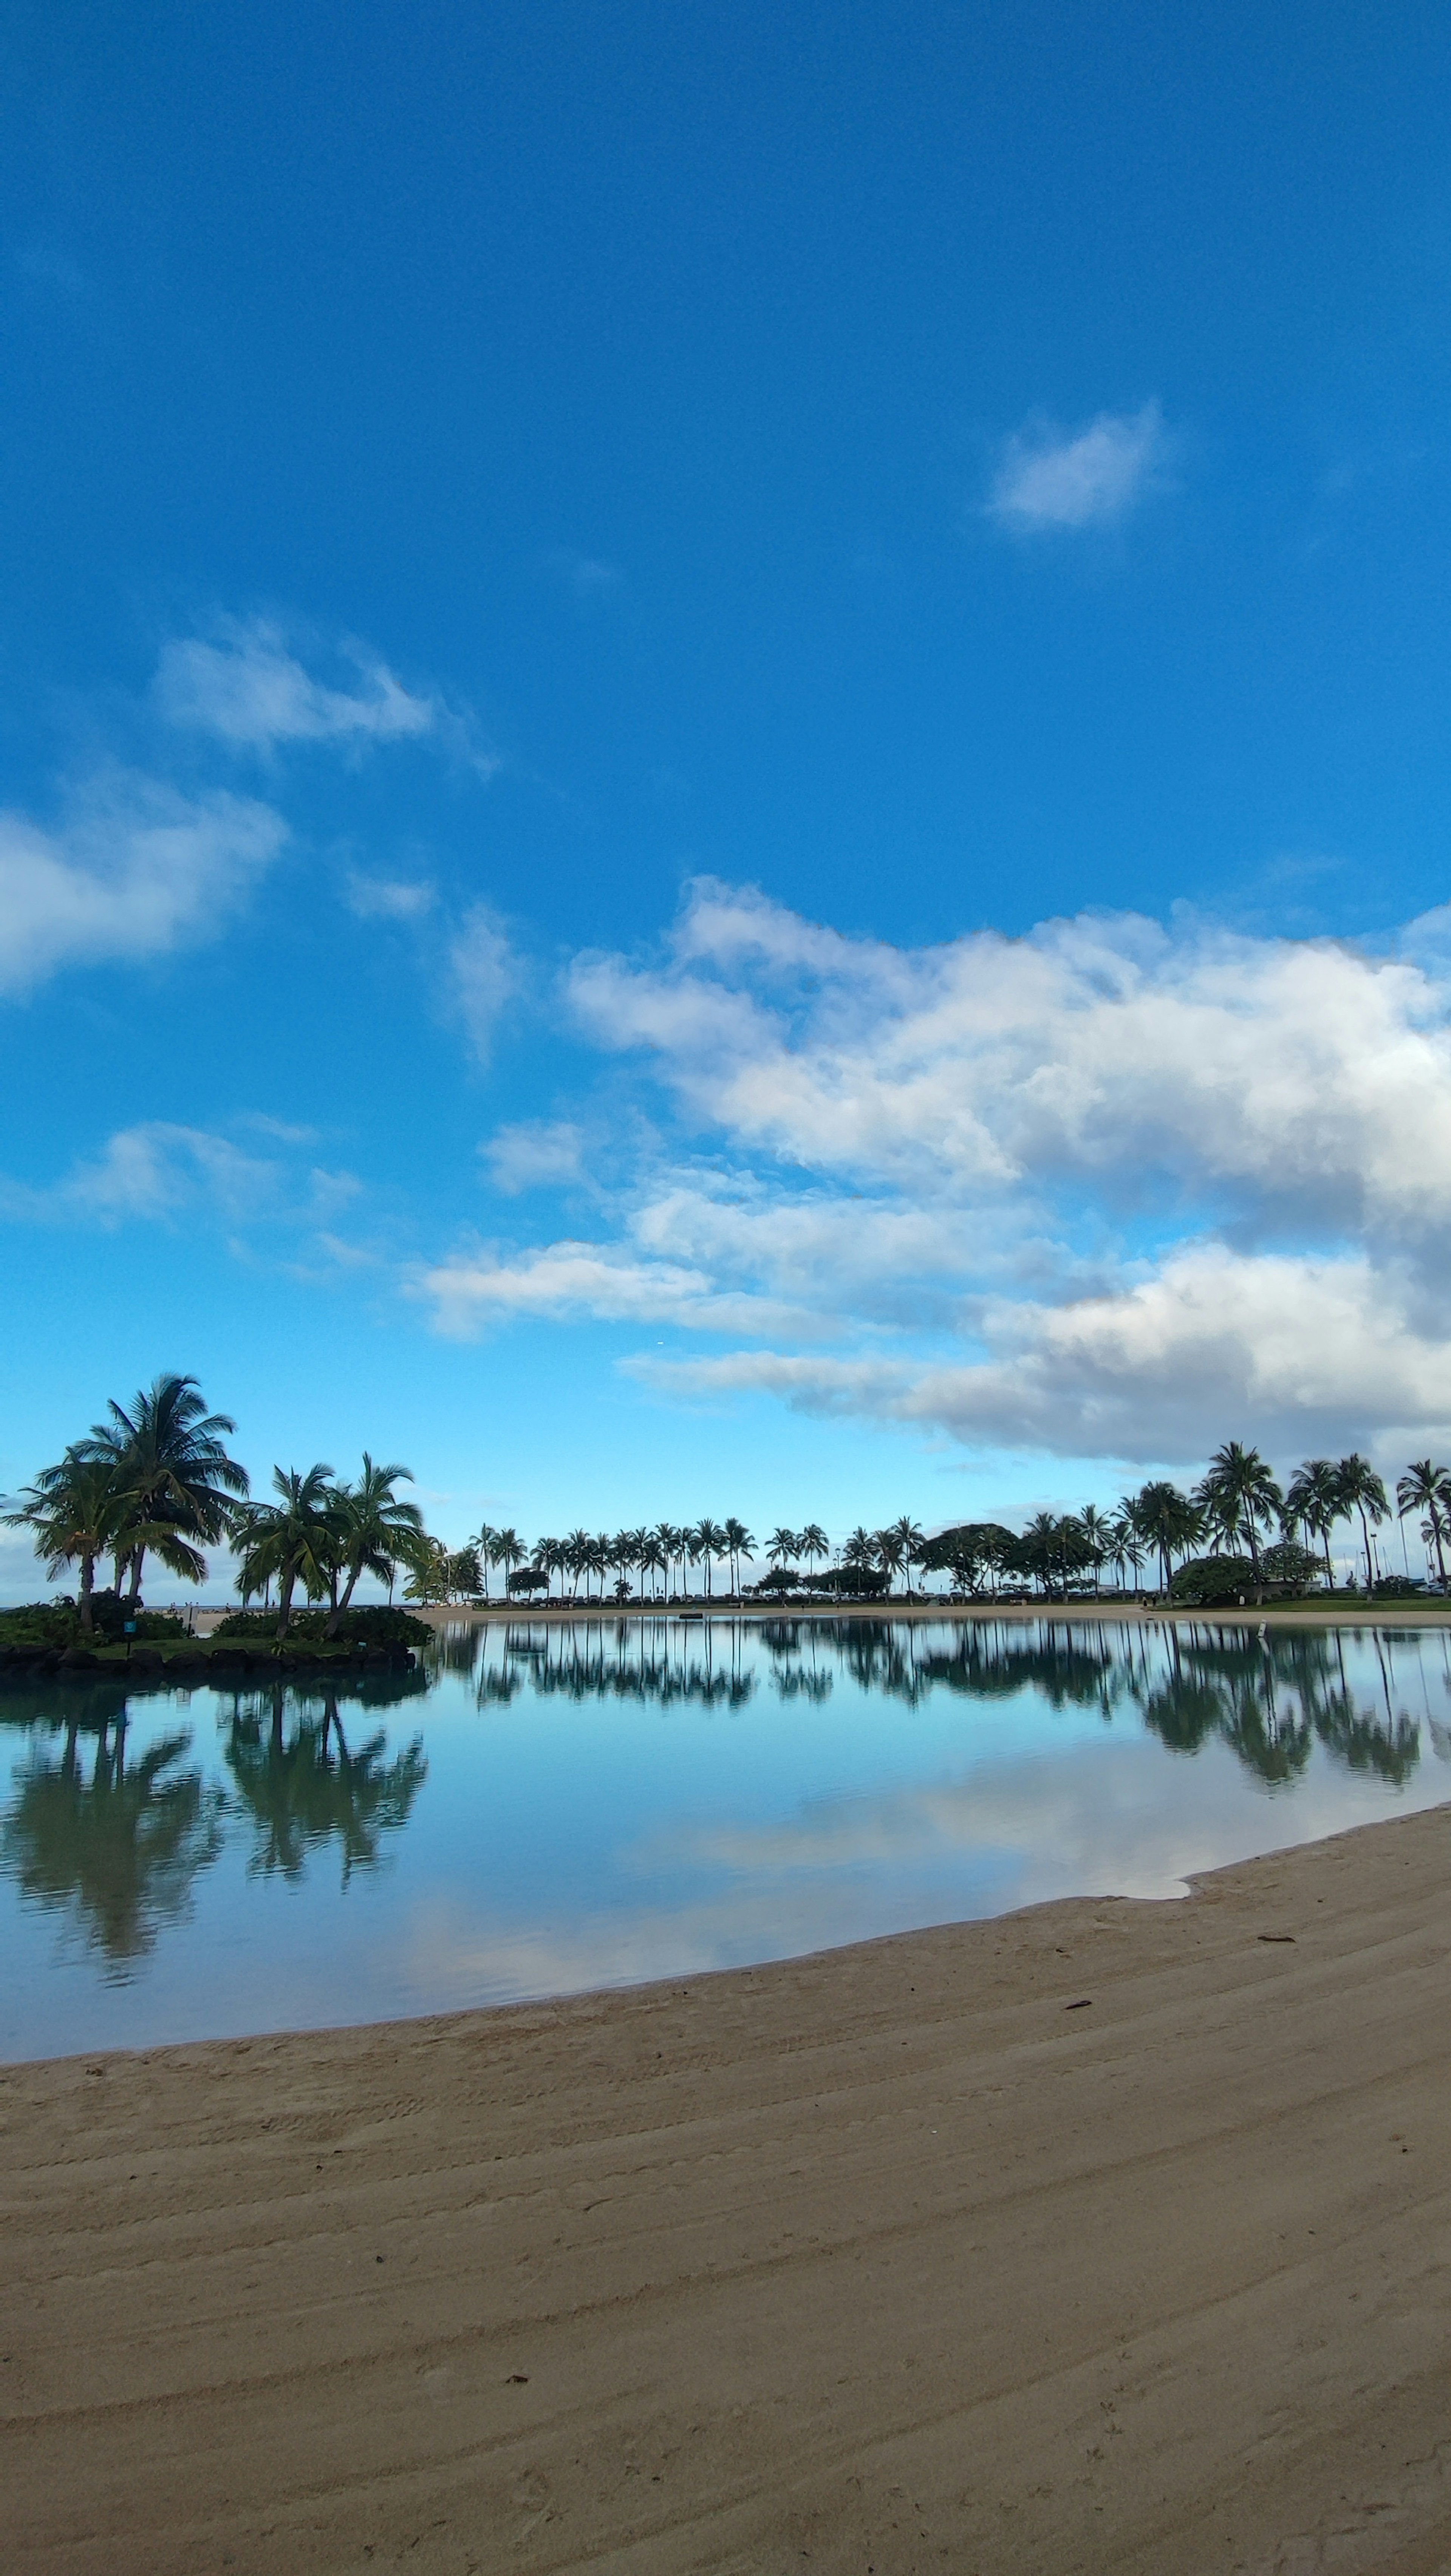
{"x":1208,"y":1579}
{"x":374,"y":1625}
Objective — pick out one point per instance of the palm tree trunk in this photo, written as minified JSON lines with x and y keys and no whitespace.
{"x":340,"y":1608}
{"x":284,"y":1602}
{"x":83,"y":1605}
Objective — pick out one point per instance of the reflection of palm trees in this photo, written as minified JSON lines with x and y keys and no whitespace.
{"x":121,"y":1846}
{"x":301,"y":1793}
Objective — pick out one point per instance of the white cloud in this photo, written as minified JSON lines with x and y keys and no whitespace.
{"x":587,"y":575}
{"x":389,"y":898}
{"x":484,"y":975}
{"x":1109,"y":1191}
{"x":1278,"y":1078}
{"x":160,"y":1171}
{"x":535,"y":1153}
{"x":248,"y":689}
{"x":1050,"y":478}
{"x":135,"y":870}
{"x":477,"y":1290}
{"x":1305,"y":1353}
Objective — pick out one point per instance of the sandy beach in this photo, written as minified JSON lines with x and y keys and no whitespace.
{"x":1104,"y":2236}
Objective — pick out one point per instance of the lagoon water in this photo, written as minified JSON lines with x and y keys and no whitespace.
{"x":547,"y":1809}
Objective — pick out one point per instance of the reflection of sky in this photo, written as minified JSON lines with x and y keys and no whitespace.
{"x":561,"y":1842}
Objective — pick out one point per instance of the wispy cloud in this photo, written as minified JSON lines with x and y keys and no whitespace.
{"x":133,"y":870}
{"x":588,"y":576}
{"x":535,"y":1153}
{"x":246,"y":685}
{"x":1048,"y":478}
{"x":389,"y":898}
{"x":484,"y":975}
{"x":163,"y":1172}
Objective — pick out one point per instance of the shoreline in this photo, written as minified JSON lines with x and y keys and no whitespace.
{"x":1295,"y":1614}
{"x":1104,"y":2235}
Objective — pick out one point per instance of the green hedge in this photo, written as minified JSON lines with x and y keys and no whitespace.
{"x":375,"y":1625}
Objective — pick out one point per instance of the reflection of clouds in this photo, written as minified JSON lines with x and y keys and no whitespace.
{"x":1097,"y":1819}
{"x":455,"y":1956}
{"x":1092,"y":1819}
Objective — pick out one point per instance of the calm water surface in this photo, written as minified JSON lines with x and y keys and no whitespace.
{"x":546,"y":1810}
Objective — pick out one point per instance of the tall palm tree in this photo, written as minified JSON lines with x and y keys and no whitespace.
{"x":292,"y":1540}
{"x":908,"y":1539}
{"x":739,"y":1542}
{"x":783,"y":1547}
{"x":577,"y":1552}
{"x":1167,"y":1520}
{"x":376,"y":1532}
{"x":1313,"y":1501}
{"x":1096,"y":1538}
{"x":813,"y":1544}
{"x":485,"y":1542}
{"x":1426,"y":1488}
{"x":1362,"y":1491}
{"x":505,"y":1550}
{"x":709,"y":1543}
{"x":73,"y":1512}
{"x":169,"y":1461}
{"x":1238,"y":1495}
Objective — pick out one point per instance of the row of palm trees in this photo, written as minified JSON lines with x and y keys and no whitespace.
{"x":157,"y":1481}
{"x":1235,"y":1507}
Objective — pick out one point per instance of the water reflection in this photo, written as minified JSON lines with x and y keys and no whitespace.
{"x":601,"y":1800}
{"x":1268,"y":1695}
{"x":303,"y":1787}
{"x":115,"y":1844}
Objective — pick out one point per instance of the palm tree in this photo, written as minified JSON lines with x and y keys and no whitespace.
{"x":708,"y":1543}
{"x":906,"y":1540}
{"x":813,"y":1544}
{"x":1238,"y":1494}
{"x":376,"y":1533}
{"x":1313,"y":1501}
{"x":73,"y":1512}
{"x":577,"y":1550}
{"x":170,"y":1465}
{"x":1125,"y":1548}
{"x":783,"y":1547}
{"x":1096,"y":1530}
{"x":739,"y":1542}
{"x":485,"y":1542}
{"x":1167,"y":1521}
{"x":1362,"y":1491}
{"x":1424,"y":1488}
{"x":292,"y":1540}
{"x":505,"y":1550}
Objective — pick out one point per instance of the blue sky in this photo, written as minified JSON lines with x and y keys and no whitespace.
{"x":724,"y":740}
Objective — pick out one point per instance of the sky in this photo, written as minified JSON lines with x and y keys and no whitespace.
{"x":724,"y":744}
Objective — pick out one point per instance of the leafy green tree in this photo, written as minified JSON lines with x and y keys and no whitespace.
{"x":1238,"y":1495}
{"x":74,"y":1513}
{"x":738,"y":1543}
{"x":1313,"y":1501}
{"x":783,"y":1547}
{"x":708,"y":1545}
{"x":170,"y":1465}
{"x":1166,"y":1520}
{"x":1426,"y":1488}
{"x":1362,"y":1491}
{"x":813,"y":1544}
{"x":376,"y":1532}
{"x":291,"y":1541}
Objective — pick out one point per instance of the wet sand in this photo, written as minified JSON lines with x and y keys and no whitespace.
{"x":1107,"y":2236}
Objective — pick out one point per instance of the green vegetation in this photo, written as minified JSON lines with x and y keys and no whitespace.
{"x":155,"y":1480}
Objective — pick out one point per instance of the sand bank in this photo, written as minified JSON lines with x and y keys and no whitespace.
{"x":1106,"y":2236}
